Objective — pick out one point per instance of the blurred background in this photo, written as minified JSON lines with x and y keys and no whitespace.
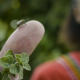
{"x":53,"y":14}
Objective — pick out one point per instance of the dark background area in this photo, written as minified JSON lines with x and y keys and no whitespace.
{"x":51,"y":13}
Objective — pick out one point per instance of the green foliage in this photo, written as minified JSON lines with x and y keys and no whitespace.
{"x":13,"y":68}
{"x":24,"y":58}
{"x":6,"y":77}
{"x":18,"y":56}
{"x":26,"y":66}
{"x":6,"y":62}
{"x":21,"y":72}
{"x":10,"y":52}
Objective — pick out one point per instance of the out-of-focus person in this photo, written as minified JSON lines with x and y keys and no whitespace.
{"x":66,"y":67}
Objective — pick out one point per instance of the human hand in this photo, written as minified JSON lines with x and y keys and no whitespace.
{"x":24,"y":39}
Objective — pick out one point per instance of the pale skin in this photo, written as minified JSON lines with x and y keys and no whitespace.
{"x":24,"y":39}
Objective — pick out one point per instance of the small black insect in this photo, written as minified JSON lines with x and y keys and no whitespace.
{"x":21,"y":22}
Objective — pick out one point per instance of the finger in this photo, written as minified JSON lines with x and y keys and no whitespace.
{"x":25,"y":38}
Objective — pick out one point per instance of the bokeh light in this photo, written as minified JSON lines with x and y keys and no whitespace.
{"x":15,"y":4}
{"x":13,"y":24}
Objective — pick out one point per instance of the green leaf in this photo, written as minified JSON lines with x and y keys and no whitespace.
{"x":9,"y":53}
{"x":18,"y":56}
{"x":20,"y":62}
{"x":14,"y":69}
{"x":21,"y":73}
{"x":6,"y":62}
{"x":24,"y":57}
{"x":26,"y":66}
{"x":5,"y":71}
{"x":6,"y":77}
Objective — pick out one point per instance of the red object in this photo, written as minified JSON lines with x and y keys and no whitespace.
{"x":52,"y":70}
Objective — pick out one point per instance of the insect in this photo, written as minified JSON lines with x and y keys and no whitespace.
{"x":21,"y":22}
